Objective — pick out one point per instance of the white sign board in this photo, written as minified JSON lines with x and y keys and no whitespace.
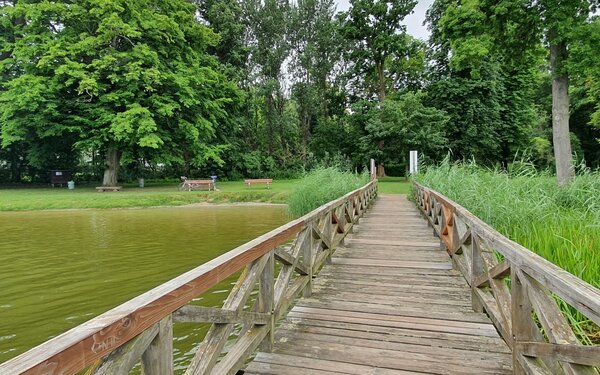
{"x":373,"y":171}
{"x":414,"y":162}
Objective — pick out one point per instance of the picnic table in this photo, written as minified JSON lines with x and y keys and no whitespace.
{"x":267,"y":181}
{"x":101,"y":189}
{"x":190,"y":185}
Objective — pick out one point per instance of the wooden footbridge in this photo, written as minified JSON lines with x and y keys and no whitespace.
{"x":362,"y":285}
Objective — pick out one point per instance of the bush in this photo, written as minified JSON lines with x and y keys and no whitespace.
{"x":320,"y":186}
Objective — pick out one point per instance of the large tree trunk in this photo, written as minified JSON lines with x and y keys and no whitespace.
{"x":560,"y":115}
{"x":111,"y":167}
{"x":381,"y":170}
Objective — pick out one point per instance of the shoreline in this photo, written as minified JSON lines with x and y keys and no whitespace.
{"x":182,"y":206}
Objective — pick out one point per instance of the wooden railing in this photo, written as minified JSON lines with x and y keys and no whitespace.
{"x":141,"y":330}
{"x":517,"y":289}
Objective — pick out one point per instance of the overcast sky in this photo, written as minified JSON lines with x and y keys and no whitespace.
{"x":413,"y":22}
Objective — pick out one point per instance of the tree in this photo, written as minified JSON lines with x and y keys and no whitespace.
{"x":269,"y":45}
{"x":315,"y":43}
{"x":404,"y":123}
{"x":374,"y":28}
{"x":518,"y":26}
{"x":487,"y":93}
{"x":132,"y":78}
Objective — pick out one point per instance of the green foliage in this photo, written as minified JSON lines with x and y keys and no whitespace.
{"x":133,"y":75}
{"x":375,"y":32}
{"x":403,"y":124}
{"x":486,"y":92}
{"x":321,"y":186}
{"x":560,"y":224}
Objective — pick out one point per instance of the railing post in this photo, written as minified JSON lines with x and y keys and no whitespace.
{"x":308,"y":255}
{"x":266,"y":298}
{"x":522,"y":321}
{"x":158,"y":358}
{"x":476,"y":271}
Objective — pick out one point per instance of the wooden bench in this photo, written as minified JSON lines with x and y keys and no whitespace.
{"x":189,"y":185}
{"x":267,"y":181}
{"x":101,"y":189}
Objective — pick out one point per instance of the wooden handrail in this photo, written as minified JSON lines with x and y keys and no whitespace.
{"x":524,"y":311}
{"x":141,"y":328}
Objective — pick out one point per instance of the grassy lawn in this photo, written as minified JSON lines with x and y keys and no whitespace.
{"x":394,"y":185}
{"x":160,"y":194}
{"x":133,"y":196}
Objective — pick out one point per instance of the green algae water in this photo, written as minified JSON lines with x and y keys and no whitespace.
{"x":61,"y":268}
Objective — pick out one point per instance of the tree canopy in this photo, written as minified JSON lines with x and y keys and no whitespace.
{"x":115,"y":89}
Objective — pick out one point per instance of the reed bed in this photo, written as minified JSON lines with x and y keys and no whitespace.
{"x":320,"y":186}
{"x":561,"y":224}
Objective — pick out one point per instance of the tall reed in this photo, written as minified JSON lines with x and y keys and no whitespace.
{"x":321,"y":186}
{"x":561,"y":224}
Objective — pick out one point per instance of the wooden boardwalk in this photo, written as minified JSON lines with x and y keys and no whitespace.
{"x":390,"y":303}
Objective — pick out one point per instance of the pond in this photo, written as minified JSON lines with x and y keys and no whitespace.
{"x":61,"y":268}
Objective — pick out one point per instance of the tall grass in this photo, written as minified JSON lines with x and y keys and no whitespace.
{"x":561,"y":224}
{"x":320,"y":186}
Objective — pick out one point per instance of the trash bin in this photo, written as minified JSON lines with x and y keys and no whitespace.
{"x":141,"y":182}
{"x":71,"y":185}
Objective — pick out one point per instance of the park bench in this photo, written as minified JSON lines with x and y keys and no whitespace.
{"x":267,"y":181}
{"x":101,"y":189}
{"x":190,"y":185}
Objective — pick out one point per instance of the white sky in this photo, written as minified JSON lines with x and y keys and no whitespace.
{"x":413,"y":22}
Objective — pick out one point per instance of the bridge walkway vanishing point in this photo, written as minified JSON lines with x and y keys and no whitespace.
{"x":390,"y":302}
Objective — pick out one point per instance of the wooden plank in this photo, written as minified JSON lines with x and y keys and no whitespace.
{"x":500,"y":270}
{"x":399,"y":335}
{"x":277,"y":369}
{"x":158,"y":358}
{"x":583,"y":355}
{"x":391,"y":263}
{"x":293,"y":363}
{"x":386,"y":272}
{"x":386,"y":287}
{"x":448,"y":355}
{"x":287,"y":259}
{"x":266,"y":301}
{"x":461,"y":295}
{"x":392,"y":242}
{"x":201,"y":314}
{"x":243,"y":347}
{"x":403,"y":300}
{"x":121,"y":361}
{"x":389,"y":310}
{"x":382,"y":358}
{"x":468,"y":328}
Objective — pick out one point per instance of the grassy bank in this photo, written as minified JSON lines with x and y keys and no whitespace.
{"x":132,"y":196}
{"x":560,"y":224}
{"x":321,"y":186}
{"x":159,"y":194}
{"x":393,"y":185}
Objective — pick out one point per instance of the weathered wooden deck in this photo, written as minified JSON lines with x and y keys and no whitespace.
{"x":390,"y":303}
